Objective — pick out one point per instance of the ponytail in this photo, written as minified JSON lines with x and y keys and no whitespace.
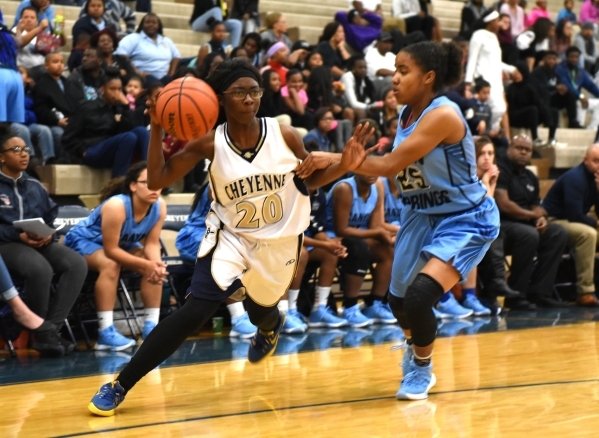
{"x":121,"y":184}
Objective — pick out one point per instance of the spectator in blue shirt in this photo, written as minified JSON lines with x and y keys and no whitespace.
{"x":114,"y":11}
{"x":567,"y":13}
{"x":568,"y":204}
{"x":93,"y":21}
{"x":43,"y":7}
{"x":576,"y":78}
{"x":154,"y":56}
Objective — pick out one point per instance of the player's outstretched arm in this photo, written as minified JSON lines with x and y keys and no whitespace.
{"x":162,"y":174}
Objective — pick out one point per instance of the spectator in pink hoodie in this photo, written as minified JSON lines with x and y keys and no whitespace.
{"x":539,"y":11}
{"x":589,"y":11}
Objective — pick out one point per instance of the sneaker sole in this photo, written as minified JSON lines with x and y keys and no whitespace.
{"x":94,"y":410}
{"x":101,"y":347}
{"x":421,"y":396}
{"x":361,"y":324}
{"x":327,"y":324}
{"x":483,"y":313}
{"x":383,"y":321}
{"x":235,"y":334}
{"x":294,"y":331}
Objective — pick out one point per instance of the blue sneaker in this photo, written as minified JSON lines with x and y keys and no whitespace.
{"x":324,"y":339}
{"x":355,"y":337}
{"x":355,"y":317}
{"x":417,"y":382}
{"x":438,"y":314}
{"x":408,"y":356}
{"x":293,"y":323}
{"x":471,"y":302}
{"x":241,"y":327}
{"x":452,"y":309}
{"x":322,"y":317}
{"x":107,"y":399}
{"x":147,"y":328}
{"x":264,"y":343}
{"x":110,"y":339}
{"x":379,"y":313}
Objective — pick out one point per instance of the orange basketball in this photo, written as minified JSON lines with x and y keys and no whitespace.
{"x":187,"y":108}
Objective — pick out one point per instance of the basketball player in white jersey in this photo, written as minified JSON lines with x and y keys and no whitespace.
{"x":255,"y":227}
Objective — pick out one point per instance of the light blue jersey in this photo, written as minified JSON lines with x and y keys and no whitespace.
{"x":361,"y":210}
{"x":393,"y":205}
{"x":192,"y":233}
{"x":86,"y":236}
{"x":444,"y":181}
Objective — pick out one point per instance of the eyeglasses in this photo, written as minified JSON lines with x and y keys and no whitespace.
{"x":18,"y":149}
{"x":255,"y":93}
{"x":142,"y":182}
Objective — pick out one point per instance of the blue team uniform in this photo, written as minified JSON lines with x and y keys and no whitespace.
{"x":361,"y":210}
{"x":446,"y":211}
{"x":190,"y":236}
{"x":393,"y":205}
{"x":86,"y":237}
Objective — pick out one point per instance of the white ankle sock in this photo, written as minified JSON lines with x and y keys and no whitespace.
{"x":322,"y":296}
{"x":236,"y":309}
{"x":293,"y":294}
{"x":105,"y":320}
{"x":153,"y":315}
{"x":283,"y":306}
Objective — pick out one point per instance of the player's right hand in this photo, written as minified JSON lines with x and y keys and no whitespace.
{"x":355,"y":151}
{"x":155,"y":272}
{"x":151,"y":111}
{"x":335,"y":247}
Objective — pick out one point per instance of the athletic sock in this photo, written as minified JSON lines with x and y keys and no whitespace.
{"x":444,"y":297}
{"x":104,"y":320}
{"x":322,"y":296}
{"x":283,"y":306}
{"x":236,"y":309}
{"x":469,"y":291}
{"x":153,"y":314}
{"x":349,"y":302}
{"x":422,"y":361}
{"x":292,"y":298}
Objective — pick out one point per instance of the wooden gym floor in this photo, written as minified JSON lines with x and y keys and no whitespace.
{"x":533,"y":374}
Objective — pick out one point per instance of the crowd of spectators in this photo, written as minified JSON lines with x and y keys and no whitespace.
{"x":520,"y":70}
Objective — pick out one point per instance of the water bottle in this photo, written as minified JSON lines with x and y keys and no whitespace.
{"x":58,"y":114}
{"x":59,"y":24}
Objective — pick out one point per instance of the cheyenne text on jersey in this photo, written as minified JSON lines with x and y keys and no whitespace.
{"x":254,"y":184}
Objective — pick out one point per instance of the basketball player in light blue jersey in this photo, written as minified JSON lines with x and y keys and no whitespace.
{"x":448,"y":222}
{"x":355,"y":214}
{"x":110,"y":238}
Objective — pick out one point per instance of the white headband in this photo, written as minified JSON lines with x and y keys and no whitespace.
{"x":492,"y":16}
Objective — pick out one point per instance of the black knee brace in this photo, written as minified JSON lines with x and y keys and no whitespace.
{"x":420,"y":298}
{"x":358,"y":257}
{"x":396,"y":305}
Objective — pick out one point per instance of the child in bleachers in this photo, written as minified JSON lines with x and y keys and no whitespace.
{"x":134,"y":90}
{"x":295,"y":99}
{"x":482,"y":111}
{"x":324,"y":123}
{"x":567,"y":13}
{"x":217,"y":42}
{"x":313,"y":60}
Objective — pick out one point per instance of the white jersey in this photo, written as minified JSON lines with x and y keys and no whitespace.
{"x":255,"y":192}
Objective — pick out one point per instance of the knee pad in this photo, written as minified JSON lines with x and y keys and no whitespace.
{"x":358,"y":257}
{"x":397,"y":307}
{"x":418,"y":304}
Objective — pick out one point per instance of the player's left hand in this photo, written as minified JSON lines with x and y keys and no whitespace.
{"x":355,"y":151}
{"x":313,"y":162}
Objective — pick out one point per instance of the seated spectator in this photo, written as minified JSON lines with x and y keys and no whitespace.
{"x":331,"y":45}
{"x":360,"y":29}
{"x":517,"y":16}
{"x":568,"y":204}
{"x":415,"y":17}
{"x":313,"y":60}
{"x":81,"y":44}
{"x":28,"y":29}
{"x":526,"y":109}
{"x":302,"y":48}
{"x":324,"y":123}
{"x":540,"y":39}
{"x":102,"y":133}
{"x":552,"y":91}
{"x":387,"y":113}
{"x":483,"y":114}
{"x":271,"y":104}
{"x":509,"y":51}
{"x":539,"y":11}
{"x":295,"y":100}
{"x":472,"y":12}
{"x":32,"y":259}
{"x":111,"y":238}
{"x":359,"y":89}
{"x":525,"y":232}
{"x":276,"y":31}
{"x":355,"y":215}
{"x":43,"y":8}
{"x":589,"y":11}
{"x":567,"y":13}
{"x":252,"y":44}
{"x":47,"y":341}
{"x":114,"y":12}
{"x":154,"y":56}
{"x":135,"y":93}
{"x":211,"y":61}
{"x":92,"y":20}
{"x":380,"y":61}
{"x":563,"y":38}
{"x":217,"y":43}
{"x":585,"y":41}
{"x":85,"y":82}
{"x":107,"y":42}
{"x":277,"y":57}
{"x":46,"y":139}
{"x":239,"y":52}
{"x":53,"y":104}
{"x":207,"y":11}
{"x":246,"y":11}
{"x":576,"y":79}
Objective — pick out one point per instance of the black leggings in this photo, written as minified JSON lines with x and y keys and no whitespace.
{"x":530,"y":117}
{"x":170,"y":333}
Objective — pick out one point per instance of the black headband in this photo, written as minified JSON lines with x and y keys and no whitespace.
{"x":239,"y":72}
